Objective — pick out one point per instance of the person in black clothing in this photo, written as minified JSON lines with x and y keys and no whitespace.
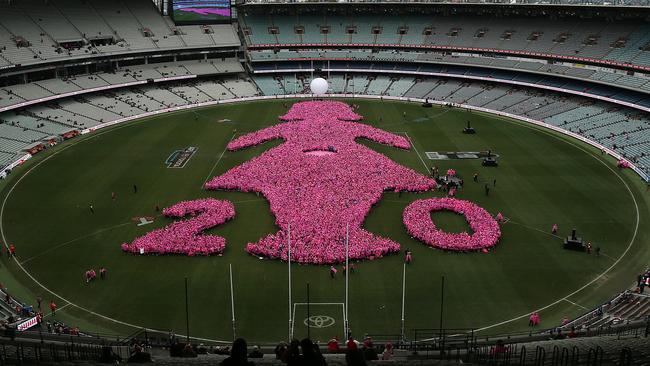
{"x":354,"y":357}
{"x":487,"y":190}
{"x":294,"y":358}
{"x":310,"y":355}
{"x":494,"y":183}
{"x":369,"y":352}
{"x":238,"y":354}
{"x":281,"y":351}
{"x":135,"y":189}
{"x":256,"y":353}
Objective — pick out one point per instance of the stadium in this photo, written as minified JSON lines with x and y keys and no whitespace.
{"x":350,"y":182}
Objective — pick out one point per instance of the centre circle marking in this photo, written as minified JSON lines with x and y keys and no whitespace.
{"x":319,"y":321}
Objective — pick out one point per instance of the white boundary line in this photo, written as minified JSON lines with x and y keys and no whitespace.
{"x":578,"y":305}
{"x":58,"y":309}
{"x":318,"y":303}
{"x":218,"y":160}
{"x":532,"y":228}
{"x":426,"y":169}
{"x":519,"y":119}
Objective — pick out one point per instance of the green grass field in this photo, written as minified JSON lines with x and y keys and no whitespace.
{"x":543,"y":178}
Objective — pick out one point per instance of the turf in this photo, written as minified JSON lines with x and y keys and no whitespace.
{"x":543,"y":178}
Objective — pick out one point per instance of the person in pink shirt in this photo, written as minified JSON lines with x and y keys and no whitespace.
{"x":387,"y":355}
{"x":93,"y":274}
{"x":554,"y":229}
{"x":535,"y":319}
{"x":565,"y":320}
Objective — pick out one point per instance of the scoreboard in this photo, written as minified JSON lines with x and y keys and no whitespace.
{"x":201,"y":11}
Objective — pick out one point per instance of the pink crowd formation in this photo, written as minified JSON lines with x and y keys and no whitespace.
{"x":319,"y":198}
{"x":321,"y":185}
{"x":184,"y":237}
{"x":623,"y":164}
{"x":417,"y":219}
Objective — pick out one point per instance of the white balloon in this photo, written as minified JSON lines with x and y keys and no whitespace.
{"x":319,"y":86}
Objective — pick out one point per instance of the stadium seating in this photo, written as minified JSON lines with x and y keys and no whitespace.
{"x":95,"y":27}
{"x":22,"y":128}
{"x":623,"y":129}
{"x":638,"y":81}
{"x":79,"y":84}
{"x":591,"y":39}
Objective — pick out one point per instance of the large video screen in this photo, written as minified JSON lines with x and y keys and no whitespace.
{"x":201,"y":11}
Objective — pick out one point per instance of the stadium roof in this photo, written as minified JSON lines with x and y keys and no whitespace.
{"x":607,"y":3}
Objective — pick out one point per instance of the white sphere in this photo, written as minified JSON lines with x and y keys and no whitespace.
{"x":319,"y":86}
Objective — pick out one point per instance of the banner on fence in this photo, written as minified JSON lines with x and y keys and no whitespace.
{"x":27,"y":324}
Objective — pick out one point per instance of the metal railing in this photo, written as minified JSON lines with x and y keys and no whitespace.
{"x":25,"y":352}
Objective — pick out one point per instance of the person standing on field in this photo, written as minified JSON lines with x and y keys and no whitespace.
{"x":333,"y":271}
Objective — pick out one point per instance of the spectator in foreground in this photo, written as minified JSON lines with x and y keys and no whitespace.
{"x":256,"y":353}
{"x":238,"y":354}
{"x":354,"y":357}
{"x":387,"y":355}
{"x":369,"y":352}
{"x":499,"y":348}
{"x":188,"y":351}
{"x":138,"y":355}
{"x":293,"y":356}
{"x":281,"y":352}
{"x":310,"y":354}
{"x":333,"y":345}
{"x":351,"y":344}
